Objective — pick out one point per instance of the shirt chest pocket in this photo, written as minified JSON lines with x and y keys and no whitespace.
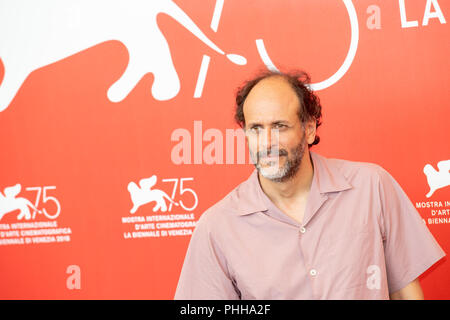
{"x":348,"y":258}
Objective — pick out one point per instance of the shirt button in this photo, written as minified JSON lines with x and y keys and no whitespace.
{"x":313,"y":272}
{"x":302,"y":230}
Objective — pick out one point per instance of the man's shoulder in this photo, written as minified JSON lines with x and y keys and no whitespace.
{"x":226,"y":207}
{"x":352,"y":165}
{"x":356,"y":170}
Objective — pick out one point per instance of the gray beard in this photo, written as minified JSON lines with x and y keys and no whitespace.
{"x":291,"y":166}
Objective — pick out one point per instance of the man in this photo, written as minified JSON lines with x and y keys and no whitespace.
{"x":303,"y":226}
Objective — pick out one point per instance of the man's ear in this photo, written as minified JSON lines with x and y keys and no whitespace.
{"x":310,"y":131}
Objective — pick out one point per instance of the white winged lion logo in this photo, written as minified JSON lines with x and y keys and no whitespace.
{"x":437,"y":179}
{"x":144,"y":194}
{"x":9,"y":203}
{"x":37,"y":33}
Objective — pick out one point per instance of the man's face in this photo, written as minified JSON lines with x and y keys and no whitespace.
{"x":276,"y":138}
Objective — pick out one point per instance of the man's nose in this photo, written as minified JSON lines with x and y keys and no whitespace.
{"x":268,"y":139}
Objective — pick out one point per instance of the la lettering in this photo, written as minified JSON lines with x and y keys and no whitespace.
{"x":428,"y":14}
{"x":126,"y":235}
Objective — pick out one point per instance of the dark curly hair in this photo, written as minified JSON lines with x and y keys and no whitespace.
{"x":310,"y":107}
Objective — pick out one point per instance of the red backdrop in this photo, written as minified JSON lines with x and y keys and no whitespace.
{"x":69,"y":147}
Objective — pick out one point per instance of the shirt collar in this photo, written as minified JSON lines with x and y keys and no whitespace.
{"x":250,"y":196}
{"x":327,"y":178}
{"x":327,"y":175}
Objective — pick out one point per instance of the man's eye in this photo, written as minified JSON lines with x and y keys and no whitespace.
{"x":280,"y":126}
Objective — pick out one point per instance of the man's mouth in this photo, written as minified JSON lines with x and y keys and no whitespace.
{"x":272,"y":155}
{"x":270,"y":159}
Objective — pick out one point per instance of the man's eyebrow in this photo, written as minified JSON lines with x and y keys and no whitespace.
{"x":252,"y":124}
{"x":280,"y":122}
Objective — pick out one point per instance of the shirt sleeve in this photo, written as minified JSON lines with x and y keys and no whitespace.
{"x":409,"y":247}
{"x":204,"y":274}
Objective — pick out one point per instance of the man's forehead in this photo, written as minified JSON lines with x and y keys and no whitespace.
{"x":271,"y":99}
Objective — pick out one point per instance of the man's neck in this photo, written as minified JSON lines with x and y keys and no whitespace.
{"x":298,"y":186}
